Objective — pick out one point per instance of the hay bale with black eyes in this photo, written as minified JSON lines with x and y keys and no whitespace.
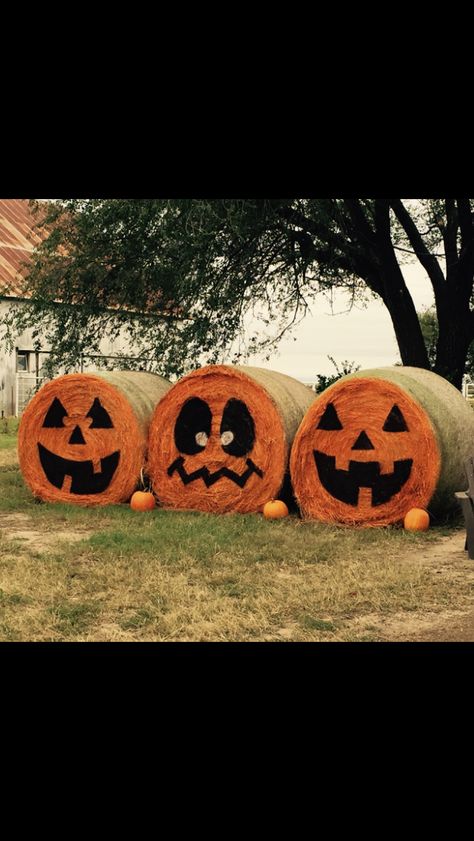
{"x":380,"y":442}
{"x":82,"y":438}
{"x":220,"y":438}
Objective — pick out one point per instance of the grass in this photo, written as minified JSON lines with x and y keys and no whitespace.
{"x":69,"y":573}
{"x":7,"y":441}
{"x":9,"y":426}
{"x":8,"y":433}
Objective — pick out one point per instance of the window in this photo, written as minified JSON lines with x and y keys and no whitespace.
{"x":22,"y":361}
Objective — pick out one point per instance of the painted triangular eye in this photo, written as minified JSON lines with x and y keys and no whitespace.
{"x":330,"y":419}
{"x":55,"y":414}
{"x":395,"y":421}
{"x":100,"y":418}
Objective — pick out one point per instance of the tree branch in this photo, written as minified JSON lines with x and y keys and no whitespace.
{"x":466,"y":257}
{"x":450,"y":234}
{"x":362,"y":264}
{"x":429,"y":263}
{"x":359,"y":221}
{"x":465,"y":222}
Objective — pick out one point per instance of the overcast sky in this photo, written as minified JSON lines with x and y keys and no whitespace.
{"x":362,"y":336}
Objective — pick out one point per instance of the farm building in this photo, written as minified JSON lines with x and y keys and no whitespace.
{"x":21,"y":369}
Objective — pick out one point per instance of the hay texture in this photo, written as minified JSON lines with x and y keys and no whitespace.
{"x":220,"y":438}
{"x":380,"y":442}
{"x":82,"y":438}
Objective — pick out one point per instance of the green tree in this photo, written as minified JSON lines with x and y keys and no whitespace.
{"x":429,"y":328}
{"x":212,"y":262}
{"x":323,"y":381}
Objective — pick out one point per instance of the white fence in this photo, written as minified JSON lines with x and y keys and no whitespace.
{"x":26,"y":386}
{"x":467,"y":389}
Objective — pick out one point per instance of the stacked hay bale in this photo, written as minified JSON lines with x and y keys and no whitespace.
{"x":220,"y":438}
{"x":380,"y":442}
{"x":82,"y":438}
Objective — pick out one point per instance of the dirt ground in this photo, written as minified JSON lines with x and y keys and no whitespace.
{"x":449,"y":559}
{"x":18,"y":527}
{"x":450,"y":628}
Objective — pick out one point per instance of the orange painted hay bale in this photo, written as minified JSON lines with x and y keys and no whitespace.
{"x":220,"y":438}
{"x":82,"y":438}
{"x":380,"y":442}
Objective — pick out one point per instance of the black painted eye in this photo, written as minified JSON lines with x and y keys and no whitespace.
{"x":395,"y":421}
{"x":193,"y":427}
{"x":330,"y":419}
{"x":237,"y":429}
{"x":55,"y":414}
{"x":100,"y":418}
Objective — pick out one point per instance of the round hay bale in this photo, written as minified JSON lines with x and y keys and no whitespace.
{"x":380,"y":442}
{"x":220,"y":438}
{"x":82,"y":437}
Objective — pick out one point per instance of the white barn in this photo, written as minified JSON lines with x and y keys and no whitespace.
{"x":20,"y":370}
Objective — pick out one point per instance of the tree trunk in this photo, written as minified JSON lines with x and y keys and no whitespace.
{"x":405,"y":321}
{"x":455,"y":320}
{"x":452,"y":347}
{"x":395,"y":293}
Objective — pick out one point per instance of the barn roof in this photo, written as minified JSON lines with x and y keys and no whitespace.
{"x":18,"y":239}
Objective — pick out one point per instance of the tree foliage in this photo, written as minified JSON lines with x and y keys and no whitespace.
{"x":429,"y":328}
{"x":323,"y":381}
{"x":136,"y":265}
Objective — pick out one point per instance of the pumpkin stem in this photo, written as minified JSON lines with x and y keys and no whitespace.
{"x":145,"y":481}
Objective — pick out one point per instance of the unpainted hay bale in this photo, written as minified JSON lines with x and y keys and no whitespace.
{"x":380,"y":442}
{"x":220,"y":438}
{"x":82,"y":438}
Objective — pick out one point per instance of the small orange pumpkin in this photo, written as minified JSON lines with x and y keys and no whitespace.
{"x":142,"y":501}
{"x":275,"y":509}
{"x":417,"y":519}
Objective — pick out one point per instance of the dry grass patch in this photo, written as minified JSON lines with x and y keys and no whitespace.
{"x":8,"y":458}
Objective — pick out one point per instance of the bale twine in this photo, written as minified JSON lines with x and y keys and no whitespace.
{"x":220,"y":438}
{"x":380,"y":442}
{"x":82,"y":438}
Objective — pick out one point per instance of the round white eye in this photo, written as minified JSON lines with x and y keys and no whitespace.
{"x":227,"y":437}
{"x":201,"y":439}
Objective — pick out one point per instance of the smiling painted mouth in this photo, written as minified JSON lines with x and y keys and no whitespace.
{"x":211,"y":478}
{"x":84,"y":480}
{"x":345,"y":484}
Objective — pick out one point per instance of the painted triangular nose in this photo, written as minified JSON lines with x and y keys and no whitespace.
{"x":363,"y":443}
{"x":77,"y":436}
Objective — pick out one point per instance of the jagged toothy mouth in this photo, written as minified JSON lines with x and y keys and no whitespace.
{"x":211,"y":478}
{"x":84,"y":480}
{"x":345,"y":484}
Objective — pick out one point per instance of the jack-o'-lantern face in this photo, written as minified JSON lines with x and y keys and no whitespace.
{"x":75,"y":438}
{"x":192,"y":431}
{"x":211,"y":447}
{"x":79,"y":441}
{"x":368,"y":452}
